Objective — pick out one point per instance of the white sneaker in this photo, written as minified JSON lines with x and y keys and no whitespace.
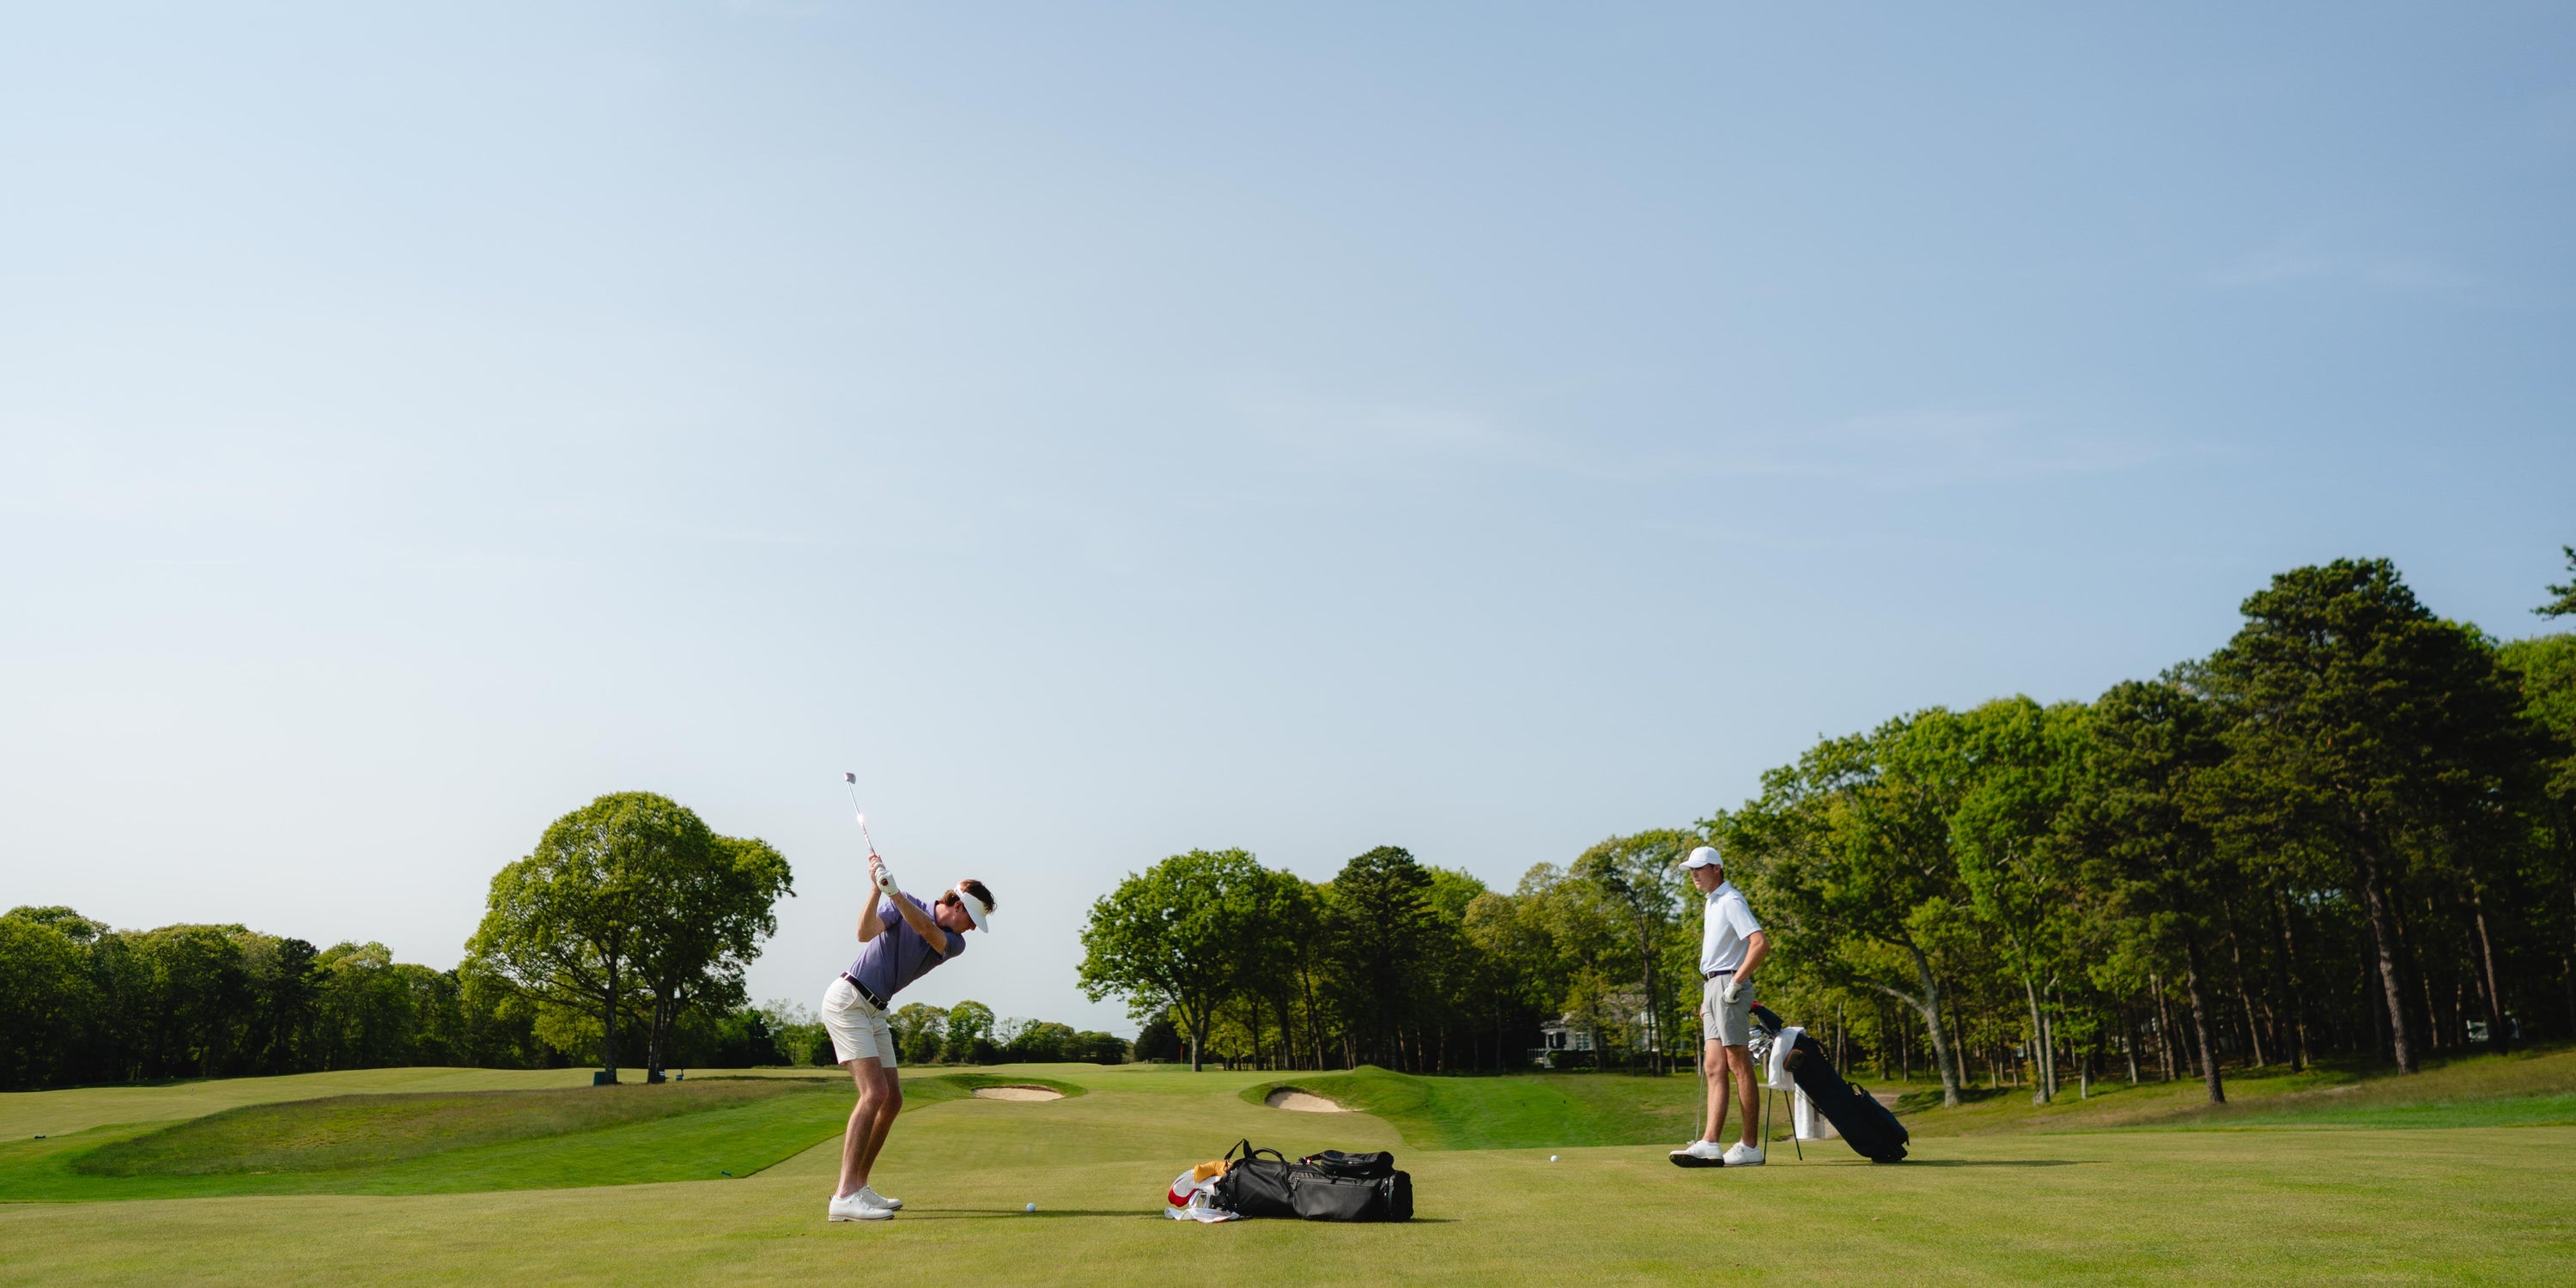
{"x":1740,"y":1154}
{"x":1700,"y":1153}
{"x":855,"y":1207}
{"x":874,"y":1199}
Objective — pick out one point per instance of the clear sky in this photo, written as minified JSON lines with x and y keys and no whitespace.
{"x":1116,"y":430}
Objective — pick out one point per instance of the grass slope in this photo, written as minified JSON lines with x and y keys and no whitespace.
{"x":339,"y":1132}
{"x":1522,"y":1111}
{"x":2134,"y":1207}
{"x":2527,"y":1088}
{"x":439,"y":1143}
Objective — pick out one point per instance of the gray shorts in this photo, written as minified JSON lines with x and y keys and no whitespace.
{"x":1722,"y":1023}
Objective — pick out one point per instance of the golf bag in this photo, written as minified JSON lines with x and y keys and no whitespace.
{"x":1331,"y":1186}
{"x":1865,"y":1124}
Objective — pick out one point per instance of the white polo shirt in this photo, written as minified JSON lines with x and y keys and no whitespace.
{"x":1725,"y":923}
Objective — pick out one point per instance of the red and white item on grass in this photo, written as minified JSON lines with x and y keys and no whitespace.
{"x":1193,"y":1196}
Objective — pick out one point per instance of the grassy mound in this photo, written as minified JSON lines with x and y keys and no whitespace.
{"x":948,"y":1086}
{"x":2526,"y":1088}
{"x":1519,"y":1111}
{"x":339,"y":1132}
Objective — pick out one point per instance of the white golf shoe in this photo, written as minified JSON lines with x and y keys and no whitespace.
{"x":1700,"y":1153}
{"x":874,"y":1199}
{"x":855,"y":1207}
{"x":1740,"y":1154}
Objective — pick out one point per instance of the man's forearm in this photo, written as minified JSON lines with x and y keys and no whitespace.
{"x":923,"y":926}
{"x":1754,"y":952}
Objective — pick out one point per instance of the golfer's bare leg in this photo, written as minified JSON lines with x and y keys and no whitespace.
{"x":1712,"y":1072}
{"x":1740,"y":1063}
{"x":889,"y":1102}
{"x":863,"y":1118}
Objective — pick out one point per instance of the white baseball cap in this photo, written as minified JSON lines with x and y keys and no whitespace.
{"x":1704,"y":857}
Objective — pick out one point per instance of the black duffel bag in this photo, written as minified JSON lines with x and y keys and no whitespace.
{"x":1334,"y":1186}
{"x":1253,"y":1185}
{"x":1331,"y":1186}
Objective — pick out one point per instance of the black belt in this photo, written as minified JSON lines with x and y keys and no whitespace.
{"x":864,"y":991}
{"x":1707,"y":974}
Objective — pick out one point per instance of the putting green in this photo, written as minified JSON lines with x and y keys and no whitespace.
{"x":2374,"y":1206}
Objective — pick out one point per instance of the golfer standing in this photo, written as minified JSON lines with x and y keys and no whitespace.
{"x":900,"y":939}
{"x":1731,"y":947}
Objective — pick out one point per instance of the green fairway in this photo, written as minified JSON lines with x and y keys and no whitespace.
{"x":2527,"y":1088}
{"x":344,"y":1132}
{"x":2131,"y":1206}
{"x":455,"y":1142}
{"x":1520,"y":1111}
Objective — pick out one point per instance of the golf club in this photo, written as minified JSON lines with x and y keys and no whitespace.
{"x":885,"y":880}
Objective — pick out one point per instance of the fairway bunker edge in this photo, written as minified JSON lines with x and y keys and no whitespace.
{"x":1019,"y":1092}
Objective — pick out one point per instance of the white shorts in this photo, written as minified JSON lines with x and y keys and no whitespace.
{"x":858,"y":1030}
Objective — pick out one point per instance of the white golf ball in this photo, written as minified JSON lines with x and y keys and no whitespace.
{"x":1030,"y":1208}
{"x":1551,"y":1158}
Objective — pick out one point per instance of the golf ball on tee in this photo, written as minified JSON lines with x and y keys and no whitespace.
{"x":1030,"y":1208}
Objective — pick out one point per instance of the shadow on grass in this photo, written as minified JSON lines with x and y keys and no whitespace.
{"x":991,"y":1214}
{"x":1990,"y":1162}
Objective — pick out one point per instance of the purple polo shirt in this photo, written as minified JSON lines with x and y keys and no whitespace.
{"x":899,"y":955}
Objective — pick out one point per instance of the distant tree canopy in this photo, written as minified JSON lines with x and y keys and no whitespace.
{"x":80,"y":1003}
{"x":630,"y":905}
{"x":630,"y":917}
{"x":2350,"y":829}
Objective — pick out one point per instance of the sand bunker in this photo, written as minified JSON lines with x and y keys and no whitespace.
{"x":1018,"y":1093}
{"x":1303,"y":1102}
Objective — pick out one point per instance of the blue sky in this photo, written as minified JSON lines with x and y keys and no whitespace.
{"x":1113,"y":431}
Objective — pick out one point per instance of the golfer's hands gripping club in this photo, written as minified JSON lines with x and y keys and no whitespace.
{"x":884,"y":879}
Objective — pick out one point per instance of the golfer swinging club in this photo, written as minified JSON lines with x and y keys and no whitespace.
{"x":900,"y":938}
{"x":1731,"y":945}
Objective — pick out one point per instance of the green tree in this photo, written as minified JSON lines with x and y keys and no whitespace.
{"x":1387,"y":944}
{"x":2364,"y":725}
{"x":201,"y":988}
{"x":969,"y":1039}
{"x":44,"y":987}
{"x":2153,"y":862}
{"x":2544,"y":672}
{"x":708,"y":908}
{"x":1640,"y":882}
{"x":2020,"y":759}
{"x":1849,"y":853}
{"x":920,"y":1030}
{"x":1171,"y":938}
{"x":2565,"y":604}
{"x":570,"y":922}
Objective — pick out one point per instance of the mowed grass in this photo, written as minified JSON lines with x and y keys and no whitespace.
{"x":337,"y":1132}
{"x":2489,"y":1205}
{"x":1513,"y":1112}
{"x":448,"y":1142}
{"x":2527,"y":1088}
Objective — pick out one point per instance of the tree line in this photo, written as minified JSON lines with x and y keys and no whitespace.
{"x":630,"y":925}
{"x":2350,"y":830}
{"x":1393,"y":962}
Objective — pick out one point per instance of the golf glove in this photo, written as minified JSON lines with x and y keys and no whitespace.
{"x":1734,"y":991}
{"x":885,"y":882}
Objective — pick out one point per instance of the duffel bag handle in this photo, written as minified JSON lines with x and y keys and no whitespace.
{"x":1244,"y":1147}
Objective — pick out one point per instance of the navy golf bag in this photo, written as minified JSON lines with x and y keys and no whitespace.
{"x":1863,"y":1123}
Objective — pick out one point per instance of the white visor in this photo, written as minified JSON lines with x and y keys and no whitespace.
{"x":975,"y":910}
